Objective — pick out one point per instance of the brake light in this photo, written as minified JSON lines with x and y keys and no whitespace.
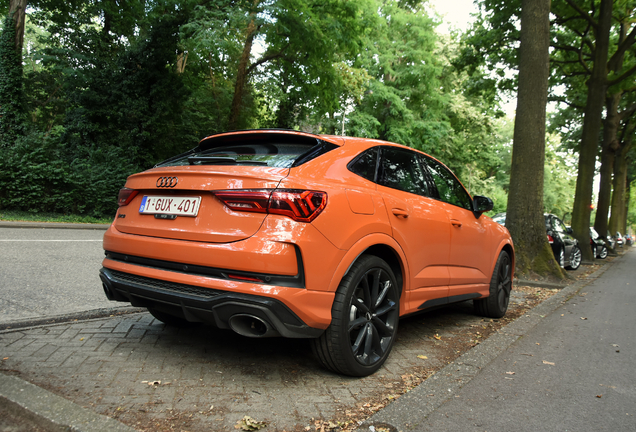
{"x":126,"y":195}
{"x":300,"y":205}
{"x":550,"y":239}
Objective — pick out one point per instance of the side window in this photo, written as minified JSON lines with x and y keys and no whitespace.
{"x":558,"y":225}
{"x":365,"y":164}
{"x":400,"y":169}
{"x":449,"y":188}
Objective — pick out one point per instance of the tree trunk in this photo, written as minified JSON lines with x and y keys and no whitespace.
{"x":617,"y":218}
{"x":524,"y":218}
{"x":241,"y":74}
{"x":610,"y":146}
{"x":619,"y":197}
{"x":17,"y":8}
{"x":591,"y":129}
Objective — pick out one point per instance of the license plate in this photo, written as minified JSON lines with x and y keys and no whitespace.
{"x":177,"y":206}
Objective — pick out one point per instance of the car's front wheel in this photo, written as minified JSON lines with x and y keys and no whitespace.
{"x":575,"y":258}
{"x":496,"y":304}
{"x":603,"y":253}
{"x":365,"y":316}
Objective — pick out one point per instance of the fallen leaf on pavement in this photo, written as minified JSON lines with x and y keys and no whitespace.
{"x":599,"y":396}
{"x":423,"y":357}
{"x":583,"y":318}
{"x":548,"y":363}
{"x":247,"y":423}
{"x":510,"y":373}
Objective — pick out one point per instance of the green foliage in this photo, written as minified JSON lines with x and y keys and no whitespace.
{"x":38,"y":175}
{"x":11,"y":87}
{"x":112,"y":87}
{"x":23,"y":216}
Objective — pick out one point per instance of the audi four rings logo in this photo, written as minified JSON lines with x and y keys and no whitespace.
{"x":167,"y":182}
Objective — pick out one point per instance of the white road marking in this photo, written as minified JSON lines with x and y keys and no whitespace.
{"x":11,"y":240}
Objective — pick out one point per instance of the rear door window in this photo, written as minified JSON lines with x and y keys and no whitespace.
{"x":400,"y":169}
{"x":449,"y":189}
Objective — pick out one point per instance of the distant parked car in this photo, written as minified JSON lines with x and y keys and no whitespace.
{"x":629,"y":239}
{"x":619,"y":239}
{"x":565,"y":247}
{"x":599,"y":249}
{"x":611,"y":241}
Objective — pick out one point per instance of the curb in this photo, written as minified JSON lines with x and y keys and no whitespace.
{"x":76,"y":316}
{"x":406,"y":412}
{"x":56,"y":225}
{"x":50,"y":411}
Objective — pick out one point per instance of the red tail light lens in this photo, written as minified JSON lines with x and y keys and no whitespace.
{"x":126,"y":196}
{"x":300,"y":205}
{"x":550,"y":239}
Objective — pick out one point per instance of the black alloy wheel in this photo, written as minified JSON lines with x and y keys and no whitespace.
{"x":496,"y":304}
{"x":365,"y":317}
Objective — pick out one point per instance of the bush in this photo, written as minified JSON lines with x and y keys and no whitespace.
{"x":37,"y":175}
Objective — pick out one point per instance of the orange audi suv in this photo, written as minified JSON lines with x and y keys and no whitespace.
{"x":285,"y":233}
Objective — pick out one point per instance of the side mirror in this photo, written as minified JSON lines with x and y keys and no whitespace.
{"x":482,"y":204}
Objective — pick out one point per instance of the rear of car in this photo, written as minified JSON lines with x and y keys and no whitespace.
{"x":210,"y":236}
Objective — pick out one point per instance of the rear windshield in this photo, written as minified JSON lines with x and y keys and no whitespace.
{"x":271,"y":150}
{"x":273,"y":155}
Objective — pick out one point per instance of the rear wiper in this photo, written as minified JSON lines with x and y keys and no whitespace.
{"x":214,"y":160}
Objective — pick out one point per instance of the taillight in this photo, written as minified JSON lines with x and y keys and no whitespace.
{"x":300,"y":205}
{"x":550,"y":239}
{"x":126,"y":196}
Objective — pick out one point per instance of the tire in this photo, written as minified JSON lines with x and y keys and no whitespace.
{"x":496,"y":304}
{"x":365,"y":315}
{"x":170,"y":320}
{"x":575,"y":258}
{"x":603,"y":253}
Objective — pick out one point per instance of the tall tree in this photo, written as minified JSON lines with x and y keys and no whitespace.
{"x":17,"y":10}
{"x":525,"y":202}
{"x":597,"y":87}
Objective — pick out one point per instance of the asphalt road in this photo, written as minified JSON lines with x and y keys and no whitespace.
{"x":49,"y":272}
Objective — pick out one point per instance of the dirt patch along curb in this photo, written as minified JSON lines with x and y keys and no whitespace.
{"x":50,"y":411}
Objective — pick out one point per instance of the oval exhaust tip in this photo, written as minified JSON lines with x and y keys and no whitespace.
{"x":250,"y":326}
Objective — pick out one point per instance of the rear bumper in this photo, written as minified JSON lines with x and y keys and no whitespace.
{"x":211,"y":306}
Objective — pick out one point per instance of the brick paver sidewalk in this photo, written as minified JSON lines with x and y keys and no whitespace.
{"x":153,"y":377}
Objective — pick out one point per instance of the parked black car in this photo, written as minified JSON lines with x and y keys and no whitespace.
{"x":565,"y":247}
{"x":599,"y":249}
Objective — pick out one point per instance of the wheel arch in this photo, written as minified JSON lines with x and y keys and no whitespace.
{"x":381,"y":246}
{"x":508,"y":248}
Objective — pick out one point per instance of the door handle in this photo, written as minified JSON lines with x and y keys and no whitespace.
{"x":456,"y":223}
{"x":400,"y":213}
